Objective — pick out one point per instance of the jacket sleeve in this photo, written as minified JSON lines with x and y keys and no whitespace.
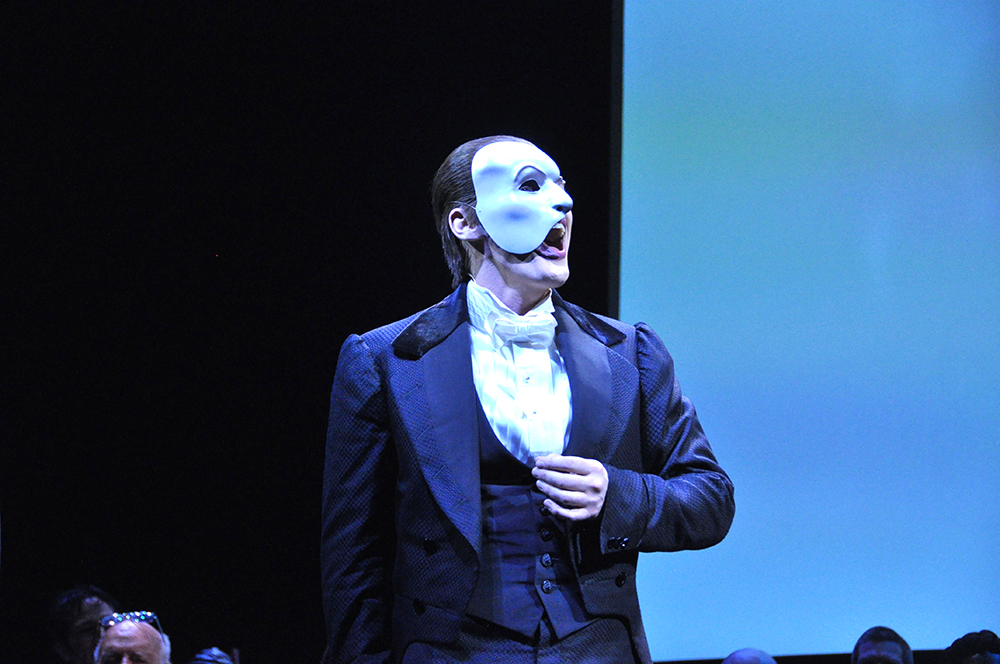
{"x":680,"y":498}
{"x":358,"y":529}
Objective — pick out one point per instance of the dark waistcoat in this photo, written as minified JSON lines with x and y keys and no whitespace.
{"x":525,"y":570}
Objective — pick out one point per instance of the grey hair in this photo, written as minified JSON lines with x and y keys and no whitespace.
{"x":164,"y":649}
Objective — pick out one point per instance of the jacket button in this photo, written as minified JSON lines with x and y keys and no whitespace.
{"x":546,"y":534}
{"x":548,"y":587}
{"x":614,"y":543}
{"x":546,"y":560}
{"x":624,"y":542}
{"x":620,"y":580}
{"x":419,"y":607}
{"x":430,"y":546}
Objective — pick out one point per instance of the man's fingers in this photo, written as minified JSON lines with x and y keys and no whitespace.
{"x":575,"y":487}
{"x":568,"y":481}
{"x":566,"y":464}
{"x":576,"y":514}
{"x":562,"y":497}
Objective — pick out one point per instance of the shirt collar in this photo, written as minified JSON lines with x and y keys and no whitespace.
{"x":485,"y":307}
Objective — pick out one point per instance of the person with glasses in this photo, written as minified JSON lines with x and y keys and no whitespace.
{"x":496,"y":462}
{"x":132,"y":638}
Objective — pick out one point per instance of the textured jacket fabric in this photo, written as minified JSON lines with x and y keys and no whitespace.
{"x":402,"y":530}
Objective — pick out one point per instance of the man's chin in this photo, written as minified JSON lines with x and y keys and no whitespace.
{"x":557,"y":277}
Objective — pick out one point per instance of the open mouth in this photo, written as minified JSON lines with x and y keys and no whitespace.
{"x":553,"y":246}
{"x":556,"y":235}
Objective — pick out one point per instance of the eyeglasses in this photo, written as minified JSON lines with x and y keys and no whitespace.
{"x":147,"y":617}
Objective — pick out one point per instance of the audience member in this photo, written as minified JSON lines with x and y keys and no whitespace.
{"x":75,"y":622}
{"x":974,"y":648}
{"x":749,"y":656}
{"x":130,"y":638}
{"x":211,"y":656}
{"x":881,"y":645}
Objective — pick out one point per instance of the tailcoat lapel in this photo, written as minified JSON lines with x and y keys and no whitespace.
{"x":586,"y":361}
{"x":584,"y":342}
{"x":448,"y":448}
{"x":448,"y":445}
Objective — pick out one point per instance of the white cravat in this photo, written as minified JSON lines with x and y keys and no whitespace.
{"x":536,"y":331}
{"x":519,"y":375}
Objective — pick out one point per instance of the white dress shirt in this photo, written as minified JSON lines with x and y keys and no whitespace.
{"x":521,"y":382}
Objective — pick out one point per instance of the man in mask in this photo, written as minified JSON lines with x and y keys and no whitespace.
{"x":496,"y":462}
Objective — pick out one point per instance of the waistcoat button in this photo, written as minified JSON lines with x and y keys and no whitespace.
{"x":546,"y":560}
{"x":546,"y":534}
{"x":548,"y":587}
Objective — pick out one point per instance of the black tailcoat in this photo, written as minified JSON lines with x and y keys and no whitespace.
{"x":401,"y":501}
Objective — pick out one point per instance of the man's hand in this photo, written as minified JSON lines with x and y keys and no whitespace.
{"x":575,"y":486}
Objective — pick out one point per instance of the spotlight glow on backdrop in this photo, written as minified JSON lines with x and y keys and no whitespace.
{"x":811,"y":221}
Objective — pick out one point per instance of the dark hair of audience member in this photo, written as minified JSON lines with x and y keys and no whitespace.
{"x":883,"y":635}
{"x":65,"y":607}
{"x":748,"y":656}
{"x":973,"y":648}
{"x":211,"y":656}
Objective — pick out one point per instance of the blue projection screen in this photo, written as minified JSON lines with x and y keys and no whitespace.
{"x":811,"y":221}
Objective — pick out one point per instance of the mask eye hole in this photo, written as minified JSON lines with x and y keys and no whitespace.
{"x":529,"y":185}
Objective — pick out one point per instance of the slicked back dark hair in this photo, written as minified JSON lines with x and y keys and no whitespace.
{"x":452,"y":186}
{"x":882,"y":635}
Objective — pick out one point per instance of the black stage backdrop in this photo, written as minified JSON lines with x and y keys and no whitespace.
{"x":201,"y":203}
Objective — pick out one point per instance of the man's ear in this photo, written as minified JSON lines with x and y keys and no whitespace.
{"x":464,"y":225}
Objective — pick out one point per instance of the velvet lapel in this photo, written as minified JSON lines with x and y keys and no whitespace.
{"x":590,"y":382}
{"x":449,"y":448}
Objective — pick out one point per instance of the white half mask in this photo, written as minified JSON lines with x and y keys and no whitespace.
{"x":519,"y":194}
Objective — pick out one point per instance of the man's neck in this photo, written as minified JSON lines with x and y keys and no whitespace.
{"x":520,"y":301}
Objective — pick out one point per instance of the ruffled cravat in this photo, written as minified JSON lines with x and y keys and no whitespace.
{"x":537,"y":330}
